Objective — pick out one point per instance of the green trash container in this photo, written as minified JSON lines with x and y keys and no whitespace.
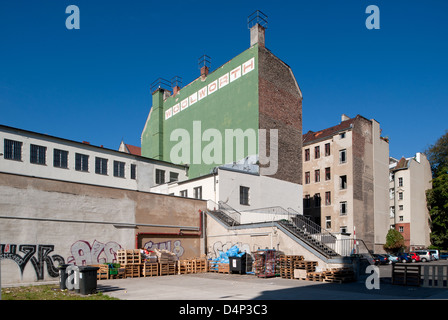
{"x":87,"y":280}
{"x":63,"y":276}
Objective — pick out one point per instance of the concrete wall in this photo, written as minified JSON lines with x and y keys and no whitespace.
{"x":46,"y":222}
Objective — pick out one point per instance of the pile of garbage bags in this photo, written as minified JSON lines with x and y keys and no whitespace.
{"x":224,"y":256}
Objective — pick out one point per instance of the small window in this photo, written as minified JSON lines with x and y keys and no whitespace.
{"x":400,"y":229}
{"x":391,"y":193}
{"x":327,"y":173}
{"x":316,"y":152}
{"x":343,"y":208}
{"x":342,"y":156}
{"x":317,"y":200}
{"x":38,"y":154}
{"x":81,"y":162}
{"x":197,"y":192}
{"x":307,"y":154}
{"x":133,"y":171}
{"x":327,"y":149}
{"x":328,"y":222}
{"x":184,"y":193}
{"x":400,"y":207}
{"x":400,"y":196}
{"x":343,"y":229}
{"x":244,"y":195}
{"x":60,"y":158}
{"x":342,"y":135}
{"x":328,"y":198}
{"x":400,"y":182}
{"x":317,"y":175}
{"x":307,"y":177}
{"x":100,"y":166}
{"x":343,"y":182}
{"x":174,"y":176}
{"x":119,"y":169}
{"x":160,"y":176}
{"x":13,"y":150}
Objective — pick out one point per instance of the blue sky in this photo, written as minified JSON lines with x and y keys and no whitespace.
{"x":92,"y":84}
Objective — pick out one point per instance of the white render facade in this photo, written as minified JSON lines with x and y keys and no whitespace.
{"x":33,"y":154}
{"x":409,"y":178}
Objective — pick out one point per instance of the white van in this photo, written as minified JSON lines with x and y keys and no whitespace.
{"x":435,"y":253}
{"x":425,"y":255}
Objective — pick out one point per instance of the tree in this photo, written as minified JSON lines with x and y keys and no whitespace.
{"x":394,"y":241}
{"x":437,"y":202}
{"x":437,"y":155}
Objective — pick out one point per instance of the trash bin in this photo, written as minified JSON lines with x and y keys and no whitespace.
{"x":87,"y":279}
{"x":63,"y":276}
{"x":238,"y":264}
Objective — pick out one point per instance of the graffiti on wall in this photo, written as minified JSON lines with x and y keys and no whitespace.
{"x":82,"y":253}
{"x":219,"y":247}
{"x":37,"y":254}
{"x":172,"y":246}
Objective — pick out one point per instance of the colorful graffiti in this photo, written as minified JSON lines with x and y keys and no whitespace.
{"x":83,"y":254}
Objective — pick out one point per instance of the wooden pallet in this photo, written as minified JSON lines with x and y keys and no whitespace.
{"x":150,"y":269}
{"x":103,"y":271}
{"x":315,"y":276}
{"x":201,"y":265}
{"x":167,"y":268}
{"x":132,"y":270}
{"x":126,"y":257}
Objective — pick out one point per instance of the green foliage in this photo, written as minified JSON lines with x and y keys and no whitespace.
{"x":437,"y":155}
{"x":394,"y":241}
{"x":437,"y":201}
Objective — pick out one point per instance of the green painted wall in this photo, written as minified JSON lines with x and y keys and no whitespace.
{"x":233,"y":106}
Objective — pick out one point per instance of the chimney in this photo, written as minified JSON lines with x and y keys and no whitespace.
{"x":176,"y":83}
{"x":257,"y":23}
{"x":344,"y":117}
{"x":204,"y":63}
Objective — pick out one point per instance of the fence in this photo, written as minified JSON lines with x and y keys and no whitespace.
{"x":433,"y":276}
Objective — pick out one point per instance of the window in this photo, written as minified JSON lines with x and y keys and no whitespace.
{"x":307,"y":177}
{"x":327,"y":198}
{"x":400,"y":182}
{"x":343,"y":208}
{"x":342,"y":135}
{"x":317,"y":175}
{"x":100,"y":166}
{"x":343,"y":156}
{"x":343,"y":229}
{"x":316,"y":152}
{"x":400,"y":229}
{"x":37,"y":154}
{"x":391,"y":193}
{"x":174,"y":176}
{"x":327,"y":149}
{"x":60,"y":158}
{"x":327,"y":174}
{"x":197,"y":192}
{"x":81,"y":162}
{"x":307,"y":154}
{"x":400,"y":196}
{"x":13,"y":150}
{"x":160,"y":176}
{"x":392,"y":212}
{"x":307,"y":201}
{"x":244,"y":195}
{"x":119,"y":169}
{"x":400,"y":207}
{"x":400,"y":218}
{"x":133,"y":171}
{"x":184,"y":193}
{"x":317,"y":200}
{"x":391,"y":176}
{"x":328,"y":222}
{"x":343,"y":182}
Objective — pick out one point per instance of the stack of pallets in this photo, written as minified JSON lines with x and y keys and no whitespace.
{"x":131,"y":260}
{"x":150,"y":269}
{"x":339,"y":275}
{"x":196,"y":265}
{"x":167,"y":262}
{"x":287,"y":265}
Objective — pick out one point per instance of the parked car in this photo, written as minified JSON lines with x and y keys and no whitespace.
{"x":443,"y":255}
{"x":392,"y":259}
{"x":404,"y":257}
{"x":435,"y":253}
{"x":380,"y":259}
{"x":414,"y":256}
{"x":425,"y":255}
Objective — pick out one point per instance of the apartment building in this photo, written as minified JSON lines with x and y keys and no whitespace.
{"x":345,"y":179}
{"x":409,"y":178}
